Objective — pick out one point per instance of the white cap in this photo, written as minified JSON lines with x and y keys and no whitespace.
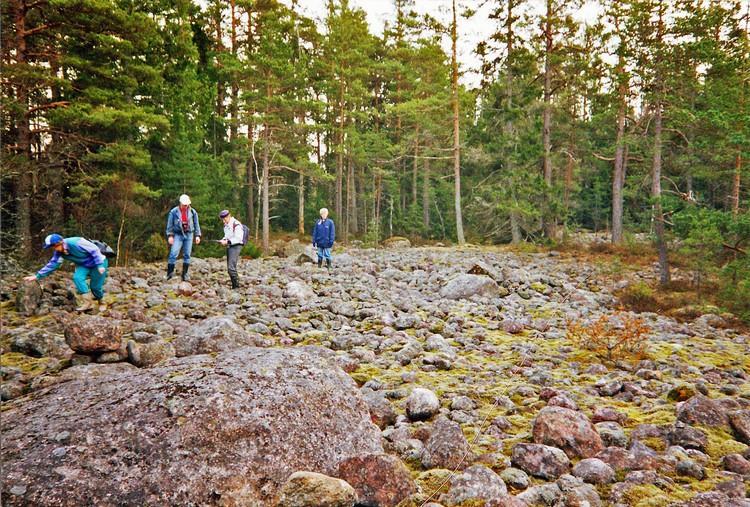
{"x":185,"y":200}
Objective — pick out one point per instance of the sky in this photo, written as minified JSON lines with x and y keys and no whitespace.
{"x":471,"y":32}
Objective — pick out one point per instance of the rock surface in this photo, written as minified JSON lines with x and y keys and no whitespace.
{"x":93,"y":334}
{"x":255,"y":415}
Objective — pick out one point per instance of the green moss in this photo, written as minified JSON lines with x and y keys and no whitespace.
{"x":32,"y":366}
{"x":648,"y":495}
{"x":721,"y":443}
{"x":435,"y":481}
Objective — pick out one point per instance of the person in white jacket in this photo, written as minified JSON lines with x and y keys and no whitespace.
{"x":233,"y":236}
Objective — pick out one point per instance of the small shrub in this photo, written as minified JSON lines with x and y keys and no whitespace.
{"x":639,"y":296}
{"x":155,"y":248}
{"x":611,"y":337}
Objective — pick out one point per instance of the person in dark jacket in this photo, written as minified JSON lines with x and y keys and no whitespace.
{"x":182,"y":229}
{"x":324,"y":234}
{"x":90,"y":264}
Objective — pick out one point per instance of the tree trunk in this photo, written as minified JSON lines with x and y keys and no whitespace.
{"x":661,"y":243}
{"x":234,"y":108}
{"x":23,"y":140}
{"x":618,"y":178}
{"x":301,"y":207}
{"x":250,"y":177}
{"x":340,"y":156}
{"x":415,"y":167}
{"x":549,"y":228}
{"x":426,"y":195}
{"x":456,"y":138}
{"x":736,"y":184}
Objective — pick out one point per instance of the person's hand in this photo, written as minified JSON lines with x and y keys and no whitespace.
{"x":29,"y":278}
{"x":170,"y":240}
{"x":101,"y":271}
{"x":197,"y":240}
{"x":223,"y":242}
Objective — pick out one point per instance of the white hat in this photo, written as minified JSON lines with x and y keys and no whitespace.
{"x":185,"y":200}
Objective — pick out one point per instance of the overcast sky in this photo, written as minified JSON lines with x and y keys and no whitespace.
{"x":470,"y":31}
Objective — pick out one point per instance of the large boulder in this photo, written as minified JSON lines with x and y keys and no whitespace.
{"x":41,"y":343}
{"x":378,"y":479}
{"x":28,"y":298}
{"x":93,"y":335}
{"x":203,"y":430}
{"x":466,"y":286}
{"x":703,"y":410}
{"x":396,"y":242}
{"x":214,"y":334}
{"x":569,"y":430}
{"x":310,"y":489}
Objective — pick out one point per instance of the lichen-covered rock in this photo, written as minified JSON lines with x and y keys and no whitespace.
{"x":310,"y":489}
{"x":382,"y":412}
{"x":93,"y":334}
{"x":465,"y":286}
{"x":421,"y":404}
{"x":41,"y":343}
{"x":576,"y":493}
{"x":378,"y":479}
{"x":476,"y":484}
{"x":688,"y":437}
{"x":214,"y":334}
{"x":740,"y":421}
{"x":396,"y":242}
{"x":447,"y":446}
{"x":28,"y":298}
{"x":236,"y":425}
{"x":185,"y":289}
{"x":300,"y":292}
{"x":594,"y":471}
{"x":568,"y":430}
{"x":148,"y":354}
{"x":703,"y":410}
{"x":540,"y":460}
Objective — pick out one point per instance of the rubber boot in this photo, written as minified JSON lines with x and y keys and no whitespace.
{"x":170,"y":271}
{"x":87,"y":302}
{"x":320,"y":262}
{"x":185,"y":275}
{"x":328,"y":264}
{"x":235,"y":281}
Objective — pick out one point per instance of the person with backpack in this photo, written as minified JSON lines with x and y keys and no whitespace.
{"x":324,"y":234}
{"x":90,"y":264}
{"x":182,"y":229}
{"x":235,"y":236}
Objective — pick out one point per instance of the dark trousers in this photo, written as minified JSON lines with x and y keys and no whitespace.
{"x":233,"y":255}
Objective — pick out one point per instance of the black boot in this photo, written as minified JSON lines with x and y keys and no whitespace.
{"x":170,"y":271}
{"x":235,"y":281}
{"x":328,"y":264}
{"x":320,"y":262}
{"x":185,"y":275}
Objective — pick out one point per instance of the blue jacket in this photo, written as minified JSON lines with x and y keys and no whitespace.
{"x":324,"y":233}
{"x":79,"y":251}
{"x":174,"y":222}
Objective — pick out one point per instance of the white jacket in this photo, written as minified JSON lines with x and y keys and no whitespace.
{"x":233,"y":232}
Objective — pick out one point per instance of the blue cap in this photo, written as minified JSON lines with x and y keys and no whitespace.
{"x":224,"y":213}
{"x":52,"y":240}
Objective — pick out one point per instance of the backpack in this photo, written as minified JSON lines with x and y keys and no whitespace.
{"x":245,"y":233}
{"x":104,"y":248}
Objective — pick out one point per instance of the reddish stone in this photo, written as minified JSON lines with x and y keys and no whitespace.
{"x":378,"y":479}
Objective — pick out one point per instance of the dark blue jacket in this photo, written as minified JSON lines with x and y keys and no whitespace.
{"x":174,"y":222}
{"x":324,"y":233}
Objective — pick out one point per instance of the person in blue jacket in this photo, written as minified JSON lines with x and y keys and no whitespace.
{"x":324,"y":234}
{"x":182,"y":228}
{"x":90,"y":264}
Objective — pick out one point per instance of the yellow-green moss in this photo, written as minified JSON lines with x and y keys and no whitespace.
{"x":721,"y":443}
{"x":32,"y":366}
